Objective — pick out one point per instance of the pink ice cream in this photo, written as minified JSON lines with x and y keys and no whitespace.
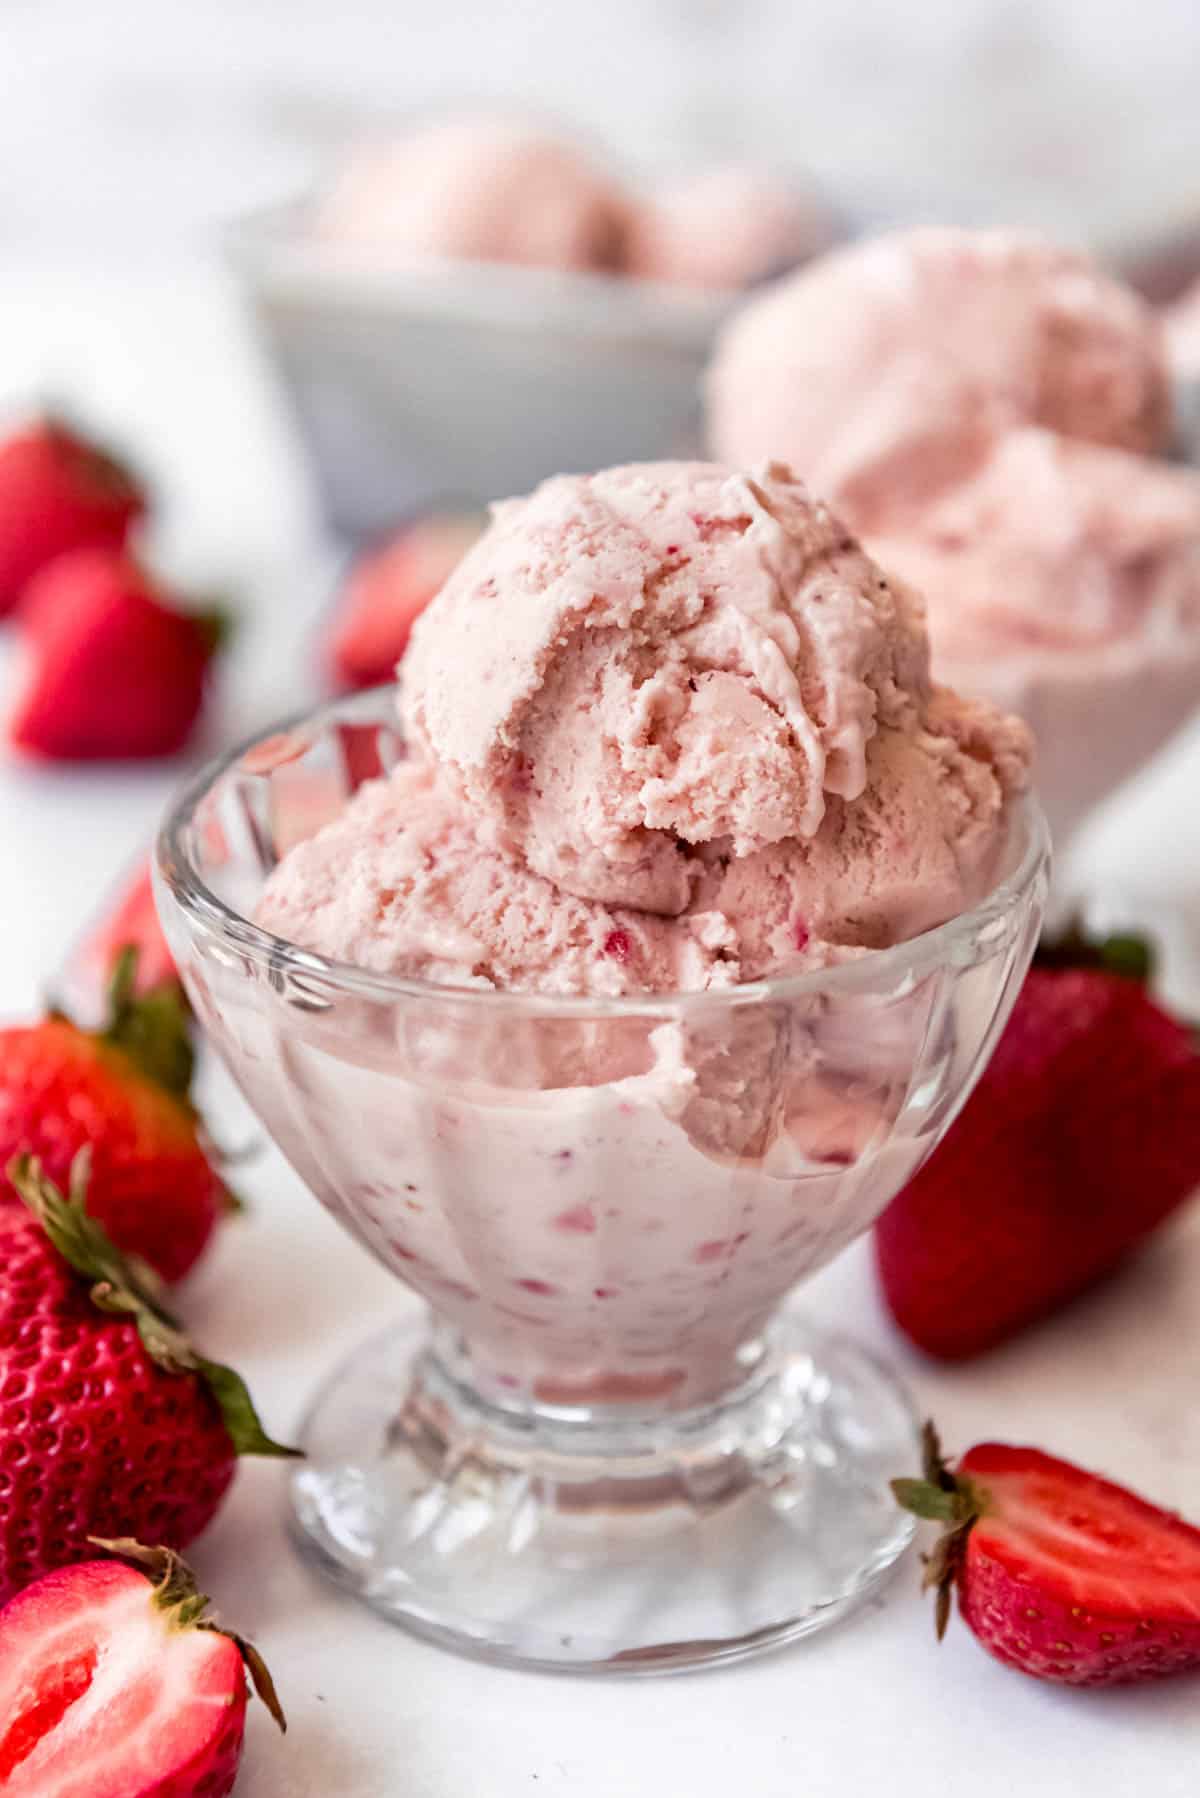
{"x":725,"y":228}
{"x":1181,"y":322}
{"x":483,"y":189}
{"x":671,"y":729}
{"x":886,"y":371}
{"x":1063,"y":582}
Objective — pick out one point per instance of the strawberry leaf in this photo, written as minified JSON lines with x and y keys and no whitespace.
{"x":1122,"y":953}
{"x":944,"y":1497}
{"x":925,"y":1500}
{"x":152,"y":1029}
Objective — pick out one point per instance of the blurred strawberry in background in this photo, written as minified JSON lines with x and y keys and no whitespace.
{"x":385,"y":593}
{"x":58,"y":492}
{"x":115,"y":670}
{"x":128,"y":921}
{"x":1082,"y":1137}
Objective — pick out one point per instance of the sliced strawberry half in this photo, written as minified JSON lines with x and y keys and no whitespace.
{"x":115,"y":1681}
{"x":1059,"y":1572}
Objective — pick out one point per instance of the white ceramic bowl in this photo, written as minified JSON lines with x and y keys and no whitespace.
{"x":461,"y":382}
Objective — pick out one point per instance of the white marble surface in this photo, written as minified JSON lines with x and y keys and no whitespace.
{"x":872,"y":1707}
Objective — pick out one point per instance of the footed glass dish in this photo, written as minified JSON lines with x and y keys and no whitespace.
{"x":619,"y":1443}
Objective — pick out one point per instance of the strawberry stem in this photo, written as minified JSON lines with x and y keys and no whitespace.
{"x":186,"y":1607}
{"x":1121,"y":953}
{"x":124,"y":1286}
{"x":151,"y":1029}
{"x":941,"y":1496}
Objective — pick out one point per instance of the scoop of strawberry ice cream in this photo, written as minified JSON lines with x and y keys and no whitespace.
{"x":725,"y":228}
{"x":1062,"y":580}
{"x":480,"y":188}
{"x":669,"y":729}
{"x":633,"y":667}
{"x":886,"y":371}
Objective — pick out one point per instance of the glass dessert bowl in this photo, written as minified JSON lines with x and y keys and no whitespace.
{"x":617,"y":1445}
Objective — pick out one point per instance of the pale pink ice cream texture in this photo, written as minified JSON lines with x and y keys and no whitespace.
{"x":475,"y":188}
{"x":1181,"y":322}
{"x":670,"y":729}
{"x":991,"y":414}
{"x":1062,"y":580}
{"x":887,"y":370}
{"x":725,"y":228}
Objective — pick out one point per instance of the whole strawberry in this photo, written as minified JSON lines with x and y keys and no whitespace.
{"x":58,"y":492}
{"x":123,"y":1093}
{"x":171,"y":1683}
{"x":115,"y":671}
{"x":110,"y":1422}
{"x":387,"y":591}
{"x":1058,"y":1572}
{"x":1082,"y":1136}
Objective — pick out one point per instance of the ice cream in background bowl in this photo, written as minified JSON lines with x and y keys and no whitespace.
{"x":728,"y":226}
{"x":992,"y":414}
{"x":1062,"y":579}
{"x":670,"y":935}
{"x":473,"y":302}
{"x":479,"y":188}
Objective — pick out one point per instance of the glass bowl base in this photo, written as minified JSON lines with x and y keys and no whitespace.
{"x":607,"y":1539}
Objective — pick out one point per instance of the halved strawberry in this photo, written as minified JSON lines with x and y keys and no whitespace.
{"x":115,"y":1681}
{"x":1059,"y":1573}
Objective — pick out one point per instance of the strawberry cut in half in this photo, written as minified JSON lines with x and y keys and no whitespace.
{"x":114,"y":1680}
{"x":1058,"y":1572}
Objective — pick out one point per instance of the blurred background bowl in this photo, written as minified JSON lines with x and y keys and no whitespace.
{"x":457,"y":382}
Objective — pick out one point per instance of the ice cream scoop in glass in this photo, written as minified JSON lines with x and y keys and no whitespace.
{"x":606,"y":1141}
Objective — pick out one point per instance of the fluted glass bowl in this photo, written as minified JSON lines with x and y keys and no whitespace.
{"x":618,"y":1444}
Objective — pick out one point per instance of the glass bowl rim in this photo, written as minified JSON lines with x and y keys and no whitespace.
{"x":177,"y":874}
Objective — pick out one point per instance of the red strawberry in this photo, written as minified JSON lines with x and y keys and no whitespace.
{"x":1059,"y":1573}
{"x":1082,"y":1136}
{"x":116,"y":1681}
{"x":110,"y":1422}
{"x":122,"y":1092}
{"x":385,"y":593}
{"x":58,"y":492}
{"x":115,"y":670}
{"x":131,"y":922}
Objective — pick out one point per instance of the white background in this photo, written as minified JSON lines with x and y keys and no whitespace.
{"x":132,"y":125}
